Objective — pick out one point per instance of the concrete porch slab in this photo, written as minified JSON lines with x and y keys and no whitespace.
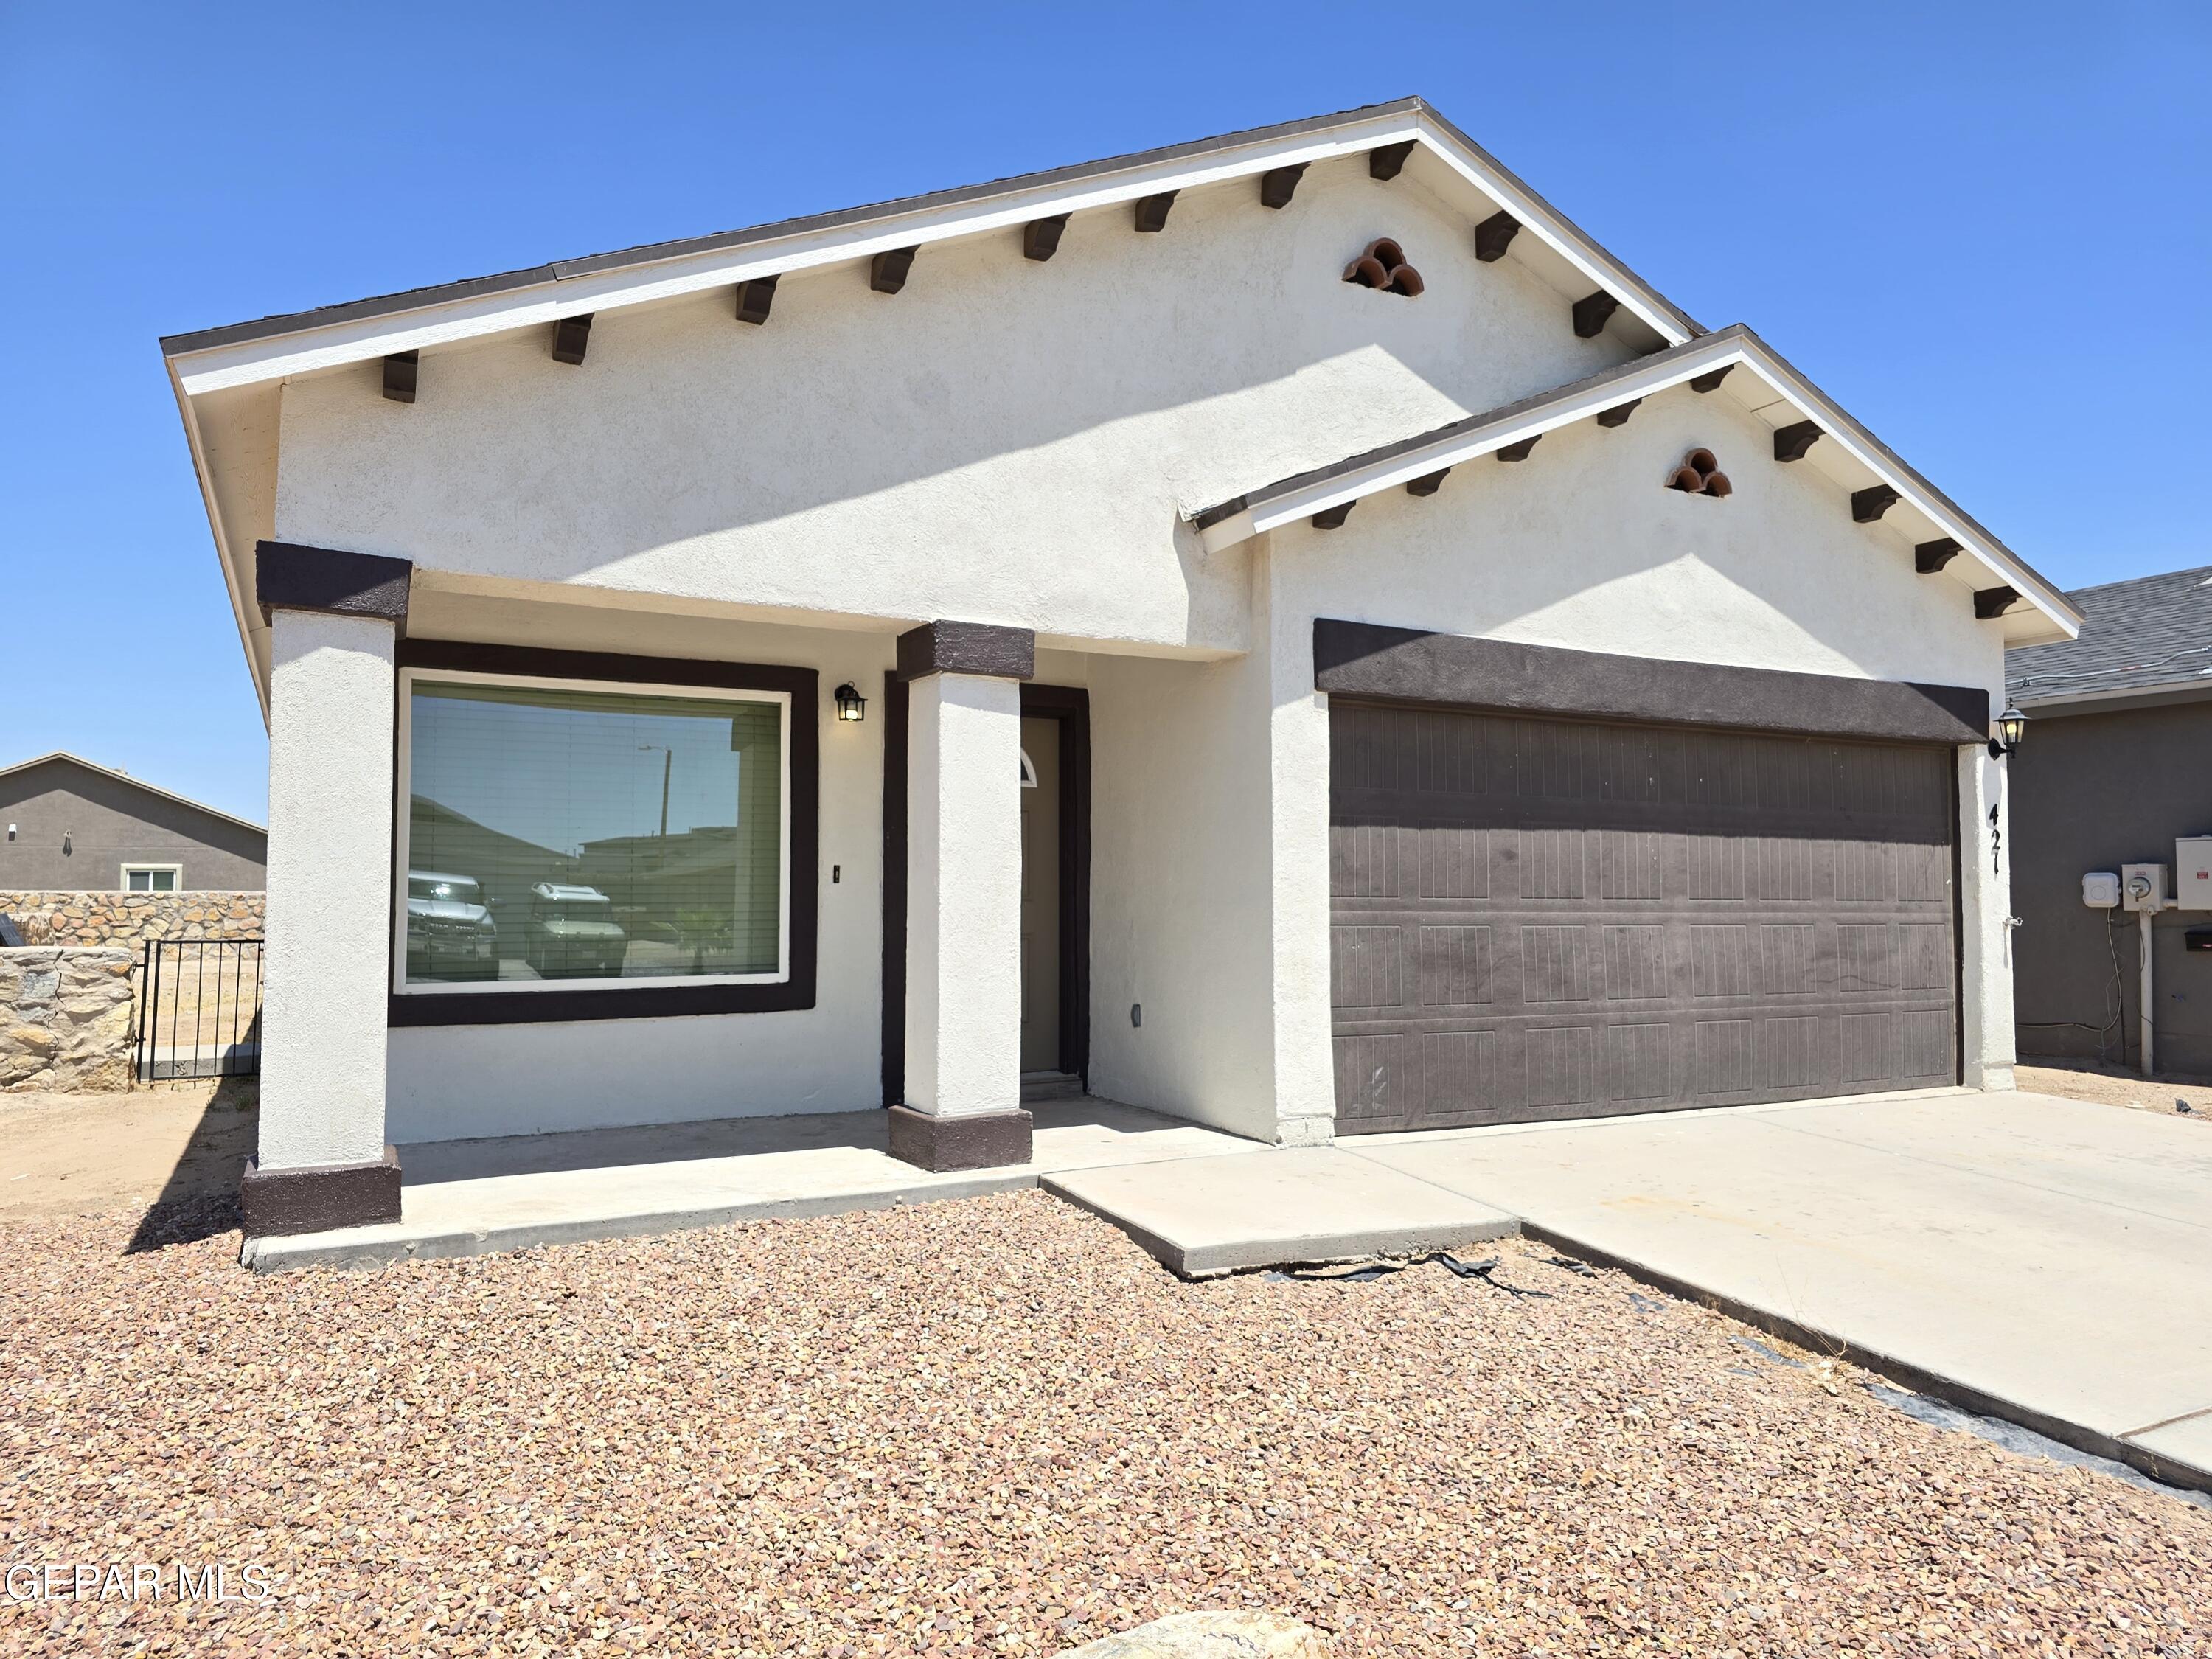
{"x":1261,"y":1209}
{"x":475,"y":1197}
{"x":2021,"y":1255}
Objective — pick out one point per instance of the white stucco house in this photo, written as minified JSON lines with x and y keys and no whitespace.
{"x":1285,"y":630}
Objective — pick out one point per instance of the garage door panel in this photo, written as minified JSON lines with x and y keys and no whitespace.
{"x":1630,"y":919}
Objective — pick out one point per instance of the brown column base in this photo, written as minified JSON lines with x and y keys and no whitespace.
{"x":982,"y":1141}
{"x":319,"y":1197}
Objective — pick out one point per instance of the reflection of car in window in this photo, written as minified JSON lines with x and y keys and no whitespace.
{"x":572,"y":932}
{"x":450,"y":932}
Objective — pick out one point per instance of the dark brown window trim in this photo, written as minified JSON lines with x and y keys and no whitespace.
{"x":654,"y":1002}
{"x":1071,"y":706}
{"x":894,"y":707}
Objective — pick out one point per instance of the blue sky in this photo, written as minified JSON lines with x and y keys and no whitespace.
{"x":1985,"y":229}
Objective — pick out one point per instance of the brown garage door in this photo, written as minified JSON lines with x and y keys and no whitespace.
{"x":1545,"y":918}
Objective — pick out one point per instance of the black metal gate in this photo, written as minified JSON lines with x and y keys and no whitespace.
{"x":199,"y":1009}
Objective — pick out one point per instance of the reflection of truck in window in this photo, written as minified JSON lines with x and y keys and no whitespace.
{"x":450,"y":932}
{"x":572,"y":932}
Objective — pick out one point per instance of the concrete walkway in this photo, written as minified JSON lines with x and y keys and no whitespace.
{"x":2037,"y":1258}
{"x":472,"y":1197}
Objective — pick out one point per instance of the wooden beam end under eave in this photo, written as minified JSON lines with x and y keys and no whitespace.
{"x":1386,"y":161}
{"x":1929,"y":558}
{"x":887,"y":271}
{"x":1519,"y":452}
{"x":1330,"y":517}
{"x":1793,"y":443}
{"x":1040,"y":237}
{"x":1871,"y":503}
{"x":1151,"y":213}
{"x":400,"y":371}
{"x":1592,"y":313}
{"x":1428,"y":483}
{"x":571,"y":335}
{"x":1279,"y":185}
{"x":754,"y":299}
{"x":1618,"y":414}
{"x":1494,"y":235}
{"x":1991,"y":603}
{"x":1711,"y":381}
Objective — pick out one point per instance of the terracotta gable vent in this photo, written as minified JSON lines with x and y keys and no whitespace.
{"x":1700,"y":474}
{"x":1384,"y":265}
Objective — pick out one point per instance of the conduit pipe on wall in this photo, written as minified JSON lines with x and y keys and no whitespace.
{"x":2146,"y":901}
{"x":2142,"y":993}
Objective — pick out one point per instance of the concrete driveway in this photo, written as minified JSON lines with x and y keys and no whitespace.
{"x":2045,"y":1259}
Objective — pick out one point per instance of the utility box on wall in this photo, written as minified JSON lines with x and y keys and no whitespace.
{"x":2192,"y":872}
{"x":2142,"y":887}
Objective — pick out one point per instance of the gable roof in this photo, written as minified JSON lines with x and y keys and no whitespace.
{"x":1770,"y":387}
{"x":121,"y":776}
{"x":2152,"y":634}
{"x":244,"y":354}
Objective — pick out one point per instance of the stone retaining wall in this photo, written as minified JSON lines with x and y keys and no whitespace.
{"x":65,"y":1018}
{"x":64,"y":918}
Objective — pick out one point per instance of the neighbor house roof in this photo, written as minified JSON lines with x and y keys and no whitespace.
{"x":1942,"y":534}
{"x":121,"y":776}
{"x":2153,"y":635}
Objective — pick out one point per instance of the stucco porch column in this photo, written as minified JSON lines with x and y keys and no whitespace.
{"x":1985,"y":1007}
{"x":964,"y":935}
{"x":322,"y":1162}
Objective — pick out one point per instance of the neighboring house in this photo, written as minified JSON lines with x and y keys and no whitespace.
{"x":75,"y":826}
{"x":1467,"y":689}
{"x":2116,"y":766}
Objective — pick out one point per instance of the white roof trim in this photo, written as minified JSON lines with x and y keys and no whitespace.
{"x":311,"y":346}
{"x":122,"y":776}
{"x":1737,"y":346}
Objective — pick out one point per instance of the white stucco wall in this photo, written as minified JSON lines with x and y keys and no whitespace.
{"x":455,"y":1082}
{"x":964,"y":930}
{"x":1180,"y":857}
{"x":330,"y":906}
{"x":1005,"y":442}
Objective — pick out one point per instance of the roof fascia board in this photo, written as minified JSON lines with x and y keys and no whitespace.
{"x":555,"y":293}
{"x":52,"y":755}
{"x":1890,"y":469}
{"x":1278,"y":504}
{"x":1557,"y":232}
{"x":240,"y":611}
{"x":518,"y":299}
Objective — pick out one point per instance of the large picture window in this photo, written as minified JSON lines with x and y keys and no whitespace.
{"x":566,"y":835}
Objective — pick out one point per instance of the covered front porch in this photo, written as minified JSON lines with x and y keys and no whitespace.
{"x":965,"y":864}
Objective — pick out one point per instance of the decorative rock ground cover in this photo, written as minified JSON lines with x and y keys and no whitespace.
{"x":996,"y":1427}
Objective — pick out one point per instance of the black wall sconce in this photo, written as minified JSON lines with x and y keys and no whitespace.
{"x":851,"y":705}
{"x":2011,"y":725}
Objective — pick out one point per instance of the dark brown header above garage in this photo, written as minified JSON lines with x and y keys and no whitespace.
{"x":1406,"y":665}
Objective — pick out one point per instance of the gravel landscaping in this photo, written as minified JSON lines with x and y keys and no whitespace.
{"x":996,"y":1426}
{"x":2174,"y":1093}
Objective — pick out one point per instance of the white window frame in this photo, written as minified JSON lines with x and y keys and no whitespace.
{"x":401,"y":826}
{"x":176,"y":869}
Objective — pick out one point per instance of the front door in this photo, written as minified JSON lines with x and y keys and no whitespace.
{"x":1041,"y":918}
